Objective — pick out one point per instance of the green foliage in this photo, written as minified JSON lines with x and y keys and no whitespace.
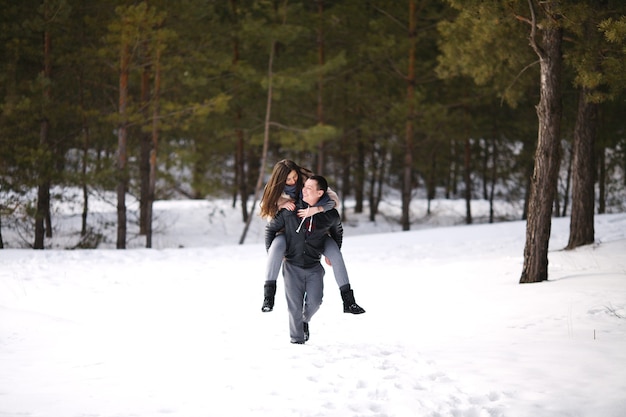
{"x":475,"y":76}
{"x":488,"y":44}
{"x":598,"y":60}
{"x":614,"y":30}
{"x":307,"y":140}
{"x":614,"y":54}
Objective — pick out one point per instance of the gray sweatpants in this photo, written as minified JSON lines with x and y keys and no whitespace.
{"x":277,"y":250}
{"x":304,"y":290}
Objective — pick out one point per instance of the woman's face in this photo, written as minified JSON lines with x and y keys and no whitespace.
{"x":291,"y":178}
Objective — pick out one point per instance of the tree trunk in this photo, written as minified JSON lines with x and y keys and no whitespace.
{"x":547,"y":156}
{"x":266,"y":139}
{"x":581,"y":230}
{"x":376,"y":168}
{"x":431,"y":181}
{"x":156,"y":109}
{"x":320,"y":83}
{"x":451,"y":180}
{"x":528,"y":176}
{"x":85,"y":155}
{"x":122,"y":169}
{"x":372,"y":187}
{"x":345,"y":164}
{"x":494,"y":178}
{"x":42,"y":214}
{"x":43,"y":208}
{"x":146,"y":143}
{"x":407,"y":183}
{"x":485,"y":168}
{"x":467,"y":175}
{"x":601,"y":181}
{"x":568,"y":182}
{"x":241,"y":180}
{"x":449,"y":170}
{"x":381,"y":178}
{"x":359,"y":173}
{"x":240,"y":164}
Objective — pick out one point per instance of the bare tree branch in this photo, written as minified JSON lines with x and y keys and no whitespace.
{"x":533,"y":32}
{"x":517,"y":77}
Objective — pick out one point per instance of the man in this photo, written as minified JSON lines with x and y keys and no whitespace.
{"x":302,"y":270}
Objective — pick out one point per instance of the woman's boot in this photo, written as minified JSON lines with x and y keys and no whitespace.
{"x":269,"y":293}
{"x":349,"y":305}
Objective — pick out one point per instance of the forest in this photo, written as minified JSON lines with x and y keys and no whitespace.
{"x":511,"y":100}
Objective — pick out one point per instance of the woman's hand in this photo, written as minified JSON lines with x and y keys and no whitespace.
{"x":310,"y":211}
{"x":289,"y":205}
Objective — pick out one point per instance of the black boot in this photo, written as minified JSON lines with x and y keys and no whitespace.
{"x":269,"y":292}
{"x":305,"y":326}
{"x":349,"y":305}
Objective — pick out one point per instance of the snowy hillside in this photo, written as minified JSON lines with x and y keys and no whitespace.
{"x":178,"y":330}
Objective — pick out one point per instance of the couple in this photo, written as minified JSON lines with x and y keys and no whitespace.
{"x":304,"y":225}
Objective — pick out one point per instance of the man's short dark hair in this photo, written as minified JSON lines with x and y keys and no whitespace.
{"x":322,"y":184}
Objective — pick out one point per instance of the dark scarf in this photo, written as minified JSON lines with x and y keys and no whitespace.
{"x":291,"y":190}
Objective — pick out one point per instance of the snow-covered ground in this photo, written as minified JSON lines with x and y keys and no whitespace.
{"x":178,"y":331}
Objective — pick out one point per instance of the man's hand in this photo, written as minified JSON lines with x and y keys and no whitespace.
{"x":328,"y":261}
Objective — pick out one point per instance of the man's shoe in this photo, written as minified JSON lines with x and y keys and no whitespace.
{"x":305,"y":326}
{"x":297,"y":342}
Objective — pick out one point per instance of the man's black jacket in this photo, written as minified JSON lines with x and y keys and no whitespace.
{"x":305,"y":240}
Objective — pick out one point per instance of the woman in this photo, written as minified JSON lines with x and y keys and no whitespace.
{"x":281,"y":192}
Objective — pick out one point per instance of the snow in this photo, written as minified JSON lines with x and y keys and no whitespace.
{"x":178,"y":330}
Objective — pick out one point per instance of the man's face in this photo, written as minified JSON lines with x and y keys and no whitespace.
{"x":310,"y":193}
